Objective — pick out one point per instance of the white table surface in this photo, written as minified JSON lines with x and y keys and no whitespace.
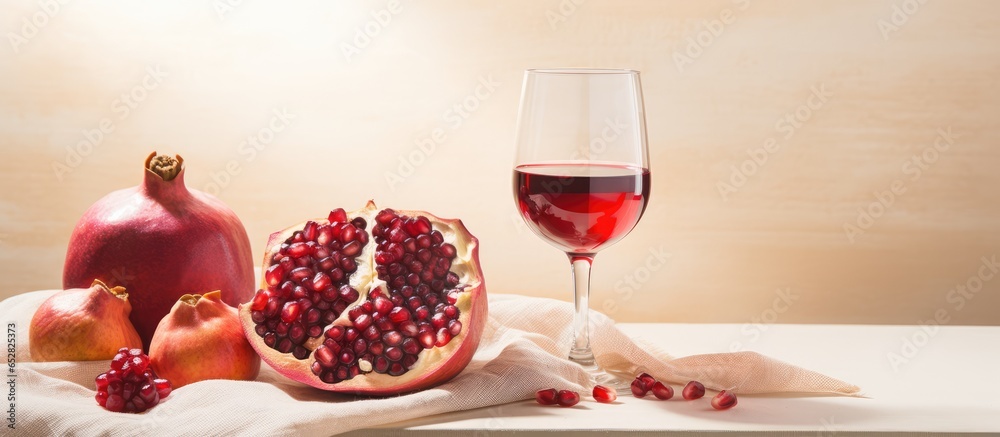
{"x":948,"y":385}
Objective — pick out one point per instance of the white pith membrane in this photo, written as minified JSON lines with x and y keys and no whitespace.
{"x":433,"y":365}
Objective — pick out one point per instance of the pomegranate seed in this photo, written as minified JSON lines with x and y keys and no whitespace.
{"x":324,"y":235}
{"x":443,"y":337}
{"x":724,"y":400}
{"x":455,"y":328}
{"x":568,"y":398}
{"x":385,"y":217}
{"x":448,"y":251}
{"x":274,"y":274}
{"x":259,"y":301}
{"x":693,"y":390}
{"x":604,"y":394}
{"x":399,"y":315}
{"x":426,"y":339}
{"x":324,"y":356}
{"x":394,"y":353}
{"x":661,"y":391}
{"x":411,"y":347}
{"x":639,"y":388}
{"x":546,"y":397}
{"x":337,"y":216}
{"x":392,"y":338}
{"x":439,"y":320}
{"x":290,"y":312}
{"x":647,"y":379}
{"x":320,"y":281}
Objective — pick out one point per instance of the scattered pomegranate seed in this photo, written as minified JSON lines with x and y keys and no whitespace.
{"x":724,"y":400}
{"x":639,"y":388}
{"x":693,"y":390}
{"x":568,"y":398}
{"x":648,"y":379}
{"x":604,"y":394}
{"x":662,"y":391}
{"x":546,"y":397}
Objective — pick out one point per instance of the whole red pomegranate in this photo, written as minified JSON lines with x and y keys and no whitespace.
{"x":161,"y":241}
{"x":389,"y":308}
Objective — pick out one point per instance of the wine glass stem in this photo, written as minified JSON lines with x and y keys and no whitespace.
{"x":580,"y":351}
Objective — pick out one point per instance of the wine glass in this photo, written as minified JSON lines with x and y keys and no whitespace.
{"x":581,"y":173}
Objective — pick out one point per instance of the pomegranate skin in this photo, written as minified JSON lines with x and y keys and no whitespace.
{"x":161,"y":241}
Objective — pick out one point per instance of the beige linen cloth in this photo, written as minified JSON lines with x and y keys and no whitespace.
{"x":522,"y":350}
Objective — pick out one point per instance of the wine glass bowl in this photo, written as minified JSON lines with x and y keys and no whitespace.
{"x":581,"y":173}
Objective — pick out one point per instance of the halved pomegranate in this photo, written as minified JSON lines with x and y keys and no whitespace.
{"x":369,"y":302}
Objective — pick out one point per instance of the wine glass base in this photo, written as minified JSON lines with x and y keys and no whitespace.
{"x":599,"y":376}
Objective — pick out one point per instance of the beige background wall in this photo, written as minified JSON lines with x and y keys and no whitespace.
{"x":718,"y":244}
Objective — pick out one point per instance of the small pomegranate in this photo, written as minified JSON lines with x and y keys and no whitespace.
{"x":202,"y":339}
{"x":82,"y":324}
{"x":131,"y":386}
{"x":567,"y":398}
{"x":161,"y":240}
{"x":604,"y":394}
{"x":386,"y":309}
{"x":693,"y":390}
{"x":547,"y":396}
{"x":724,"y":400}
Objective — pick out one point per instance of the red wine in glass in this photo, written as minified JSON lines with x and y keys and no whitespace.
{"x":581,"y":208}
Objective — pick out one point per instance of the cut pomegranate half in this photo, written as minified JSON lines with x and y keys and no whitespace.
{"x":369,"y":302}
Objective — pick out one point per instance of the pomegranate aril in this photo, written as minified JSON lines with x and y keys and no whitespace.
{"x":426,"y":339}
{"x":693,"y":390}
{"x":324,"y":356}
{"x":410,"y":346}
{"x":639,"y":388}
{"x":385,"y":217}
{"x":392,"y":338}
{"x":115,"y":403}
{"x":421,"y":313}
{"x":274,"y":274}
{"x":662,"y":391}
{"x":604,"y":394}
{"x":439,"y":320}
{"x":337,"y":216}
{"x":348,"y":293}
{"x":360,"y":223}
{"x":442,"y":338}
{"x":455,"y":328}
{"x":409,"y":329}
{"x":348,"y":234}
{"x":394,"y":353}
{"x":399,"y":315}
{"x":396,"y":369}
{"x":547,"y":396}
{"x":360,"y":346}
{"x":724,"y":400}
{"x":567,"y":398}
{"x":383,"y":306}
{"x":363,"y":321}
{"x":384,"y":324}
